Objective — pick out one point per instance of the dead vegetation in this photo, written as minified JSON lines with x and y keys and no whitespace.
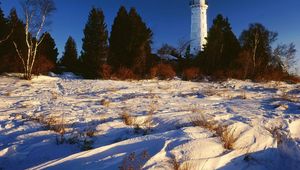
{"x":7,"y":94}
{"x":55,"y":124}
{"x":66,"y":135}
{"x":105,"y":102}
{"x":134,"y":161}
{"x":228,"y":138}
{"x":223,"y":131}
{"x":177,"y":165}
{"x":277,"y":132}
{"x":128,"y":119}
{"x":141,"y":125}
{"x":54,"y":95}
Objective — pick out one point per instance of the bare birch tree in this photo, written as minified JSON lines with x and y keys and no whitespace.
{"x":36,"y":13}
{"x":286,"y":53}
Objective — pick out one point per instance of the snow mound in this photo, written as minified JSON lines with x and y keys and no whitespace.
{"x":46,"y":123}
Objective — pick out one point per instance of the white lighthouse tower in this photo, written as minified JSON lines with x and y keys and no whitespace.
{"x":198,"y":25}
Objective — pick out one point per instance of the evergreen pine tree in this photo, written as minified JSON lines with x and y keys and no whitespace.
{"x":140,"y":42}
{"x":222,"y":48}
{"x":48,"y":48}
{"x":3,"y":31}
{"x":119,"y":40}
{"x":10,"y":61}
{"x":95,"y":44}
{"x":130,"y":42}
{"x":70,"y":56}
{"x":47,"y":55}
{"x":3,"y":25}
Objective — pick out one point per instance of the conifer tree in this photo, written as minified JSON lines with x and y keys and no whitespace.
{"x":70,"y":56}
{"x":46,"y":55}
{"x":119,"y":40}
{"x":3,"y":26}
{"x":95,"y":44}
{"x":3,"y":30}
{"x":140,"y":42}
{"x":222,"y":48}
{"x":48,"y":48}
{"x":10,"y":61}
{"x":130,"y":42}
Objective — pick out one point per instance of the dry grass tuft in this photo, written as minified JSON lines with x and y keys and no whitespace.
{"x":128,"y":119}
{"x":139,"y":126}
{"x":203,"y":121}
{"x":226,"y":135}
{"x":90,"y":132}
{"x":105,"y":102}
{"x":54,"y":95}
{"x":276,"y":132}
{"x":51,"y":123}
{"x":134,"y":161}
{"x":228,"y":138}
{"x":176,"y":165}
{"x":8,"y":94}
{"x":149,"y":119}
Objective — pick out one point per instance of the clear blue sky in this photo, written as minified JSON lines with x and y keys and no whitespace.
{"x":170,"y":19}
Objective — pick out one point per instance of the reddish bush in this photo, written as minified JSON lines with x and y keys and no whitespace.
{"x":125,"y":74}
{"x":153,"y":72}
{"x":106,"y":71}
{"x":191,"y":73}
{"x":270,"y":75}
{"x":43,"y":65}
{"x":162,"y":71}
{"x":292,"y":79}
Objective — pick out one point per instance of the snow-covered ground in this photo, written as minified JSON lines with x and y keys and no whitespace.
{"x":47,"y":122}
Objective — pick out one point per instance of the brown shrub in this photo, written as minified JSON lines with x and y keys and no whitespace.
{"x":153,"y":72}
{"x":43,"y":65}
{"x":292,"y":79}
{"x":191,"y":73}
{"x":106,"y":71}
{"x":270,"y":75}
{"x":125,"y":74}
{"x":162,"y":71}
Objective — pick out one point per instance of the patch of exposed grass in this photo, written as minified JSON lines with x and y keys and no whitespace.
{"x":223,"y":131}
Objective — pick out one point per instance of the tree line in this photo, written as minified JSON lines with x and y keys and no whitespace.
{"x":126,"y":52}
{"x":251,"y":56}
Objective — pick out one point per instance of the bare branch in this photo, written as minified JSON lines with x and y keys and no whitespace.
{"x":19,"y":54}
{"x":7,"y":37}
